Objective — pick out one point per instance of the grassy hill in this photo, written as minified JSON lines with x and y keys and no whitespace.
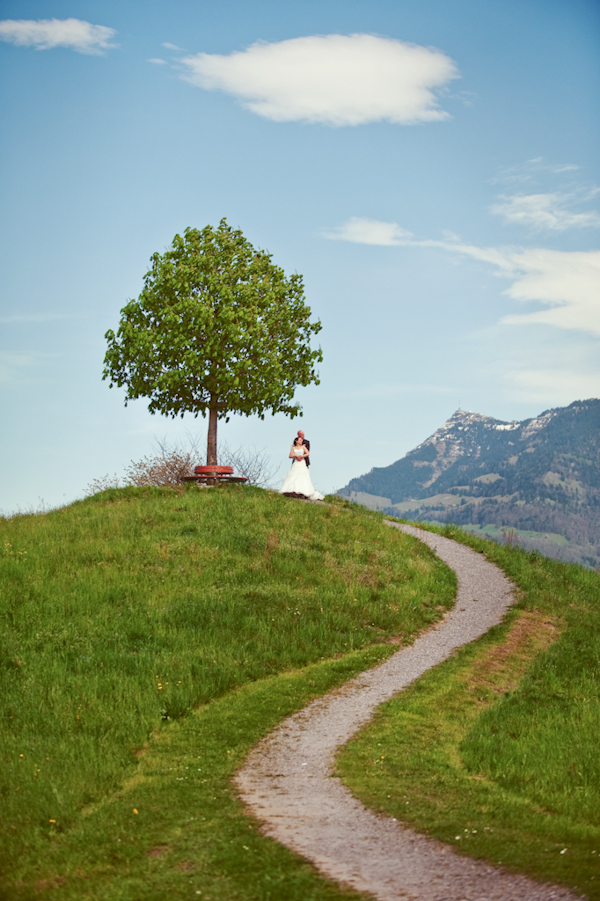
{"x":124,"y":613}
{"x":151,"y":637}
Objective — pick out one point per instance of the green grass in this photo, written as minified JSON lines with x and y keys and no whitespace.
{"x":143,"y":629}
{"x":175,"y":829}
{"x":496,"y":750}
{"x":501,"y":532}
{"x":149,"y":638}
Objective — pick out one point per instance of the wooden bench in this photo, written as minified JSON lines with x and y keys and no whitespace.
{"x":212,"y":475}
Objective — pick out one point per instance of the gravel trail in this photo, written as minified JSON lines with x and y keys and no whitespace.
{"x":287,"y":783}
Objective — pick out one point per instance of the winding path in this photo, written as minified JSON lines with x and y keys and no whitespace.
{"x":288,"y":785}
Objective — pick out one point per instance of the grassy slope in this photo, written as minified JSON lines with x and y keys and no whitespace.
{"x":143,"y":637}
{"x":496,"y":750}
{"x":149,"y":639}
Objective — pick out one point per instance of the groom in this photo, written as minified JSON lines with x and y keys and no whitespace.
{"x":306,"y":444}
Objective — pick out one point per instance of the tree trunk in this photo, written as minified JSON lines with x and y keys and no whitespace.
{"x":211,"y":448}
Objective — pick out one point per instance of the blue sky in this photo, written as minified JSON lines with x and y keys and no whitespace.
{"x":429,"y":166}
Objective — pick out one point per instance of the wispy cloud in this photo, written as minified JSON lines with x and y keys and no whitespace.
{"x":391,"y":390}
{"x":34,"y":317}
{"x":12,"y":365}
{"x":45,"y":34}
{"x":368,"y":231}
{"x":158,"y":62}
{"x":545,"y":196}
{"x":467,"y":98}
{"x":531,"y":170}
{"x":566,"y":283}
{"x":171,"y":46}
{"x":544,"y":212}
{"x":552,"y":386}
{"x":330,"y":79}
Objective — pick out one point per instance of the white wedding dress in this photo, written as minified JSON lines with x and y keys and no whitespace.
{"x":298,"y":480}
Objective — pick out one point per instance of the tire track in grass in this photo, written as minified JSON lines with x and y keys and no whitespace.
{"x":287,"y":780}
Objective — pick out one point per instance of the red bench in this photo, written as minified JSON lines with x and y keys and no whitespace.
{"x":212,"y":475}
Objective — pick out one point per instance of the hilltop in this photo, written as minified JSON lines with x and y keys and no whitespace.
{"x":539,"y":477}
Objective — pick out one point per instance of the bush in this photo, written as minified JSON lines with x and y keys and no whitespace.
{"x":170,"y":464}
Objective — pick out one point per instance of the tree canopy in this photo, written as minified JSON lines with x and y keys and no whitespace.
{"x":218,"y":328}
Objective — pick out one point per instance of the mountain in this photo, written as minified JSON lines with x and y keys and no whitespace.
{"x":536,"y":482}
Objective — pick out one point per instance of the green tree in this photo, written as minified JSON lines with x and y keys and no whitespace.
{"x":218,"y":328}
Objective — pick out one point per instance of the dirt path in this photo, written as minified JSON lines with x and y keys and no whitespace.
{"x":287,"y":783}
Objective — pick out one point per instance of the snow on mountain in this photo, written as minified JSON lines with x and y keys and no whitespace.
{"x":541,"y":474}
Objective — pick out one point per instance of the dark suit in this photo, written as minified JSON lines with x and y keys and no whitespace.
{"x":306,"y":444}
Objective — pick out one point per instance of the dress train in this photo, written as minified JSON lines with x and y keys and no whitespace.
{"x":298,"y":481}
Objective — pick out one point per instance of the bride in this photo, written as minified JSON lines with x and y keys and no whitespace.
{"x":298,"y":481}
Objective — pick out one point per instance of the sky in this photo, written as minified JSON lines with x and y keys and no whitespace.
{"x":430,"y":167}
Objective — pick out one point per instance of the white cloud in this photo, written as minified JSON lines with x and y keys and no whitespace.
{"x":567,"y":283}
{"x":44,"y":34}
{"x":532,"y":170}
{"x":157,"y":62}
{"x":171,"y":46}
{"x":331,"y":79}
{"x":554,"y":387}
{"x":374,"y":231}
{"x":369,"y":231}
{"x":543,"y":211}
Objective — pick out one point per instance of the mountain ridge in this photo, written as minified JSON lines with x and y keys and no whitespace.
{"x":539,"y":475}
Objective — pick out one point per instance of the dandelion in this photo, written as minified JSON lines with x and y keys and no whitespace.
{"x":52,"y":821}
{"x":135,"y":810}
